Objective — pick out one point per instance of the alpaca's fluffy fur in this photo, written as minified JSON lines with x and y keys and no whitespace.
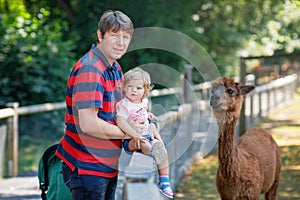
{"x":249,"y":166}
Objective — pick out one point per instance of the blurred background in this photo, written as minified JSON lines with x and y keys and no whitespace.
{"x":41,"y":40}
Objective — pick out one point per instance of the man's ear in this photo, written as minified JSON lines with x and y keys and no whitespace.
{"x":99,"y":35}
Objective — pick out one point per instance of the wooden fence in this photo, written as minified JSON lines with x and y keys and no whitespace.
{"x":11,"y":114}
{"x":188,"y":130}
{"x":266,"y":98}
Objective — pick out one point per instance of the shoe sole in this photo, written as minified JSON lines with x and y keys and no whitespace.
{"x":170,"y":197}
{"x":158,"y":151}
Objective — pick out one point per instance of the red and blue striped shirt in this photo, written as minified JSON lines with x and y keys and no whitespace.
{"x":93,"y":83}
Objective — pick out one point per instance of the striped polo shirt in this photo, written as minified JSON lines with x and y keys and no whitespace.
{"x":93,"y":83}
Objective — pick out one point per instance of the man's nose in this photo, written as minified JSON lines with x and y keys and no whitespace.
{"x":120,"y":40}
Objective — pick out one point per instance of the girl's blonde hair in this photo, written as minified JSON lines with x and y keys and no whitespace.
{"x":139,"y":74}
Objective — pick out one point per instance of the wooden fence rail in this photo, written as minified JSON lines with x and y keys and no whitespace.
{"x":171,"y":121}
{"x":267,"y":98}
{"x":190,"y":131}
{"x":12,"y":115}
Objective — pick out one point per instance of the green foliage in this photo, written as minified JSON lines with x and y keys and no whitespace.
{"x":38,"y":37}
{"x":279,"y":33}
{"x":225,"y":29}
{"x":36,"y":132}
{"x":40,"y":41}
{"x":34,"y":61}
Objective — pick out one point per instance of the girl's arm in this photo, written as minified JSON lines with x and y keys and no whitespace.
{"x":127,"y":127}
{"x":124,"y":125}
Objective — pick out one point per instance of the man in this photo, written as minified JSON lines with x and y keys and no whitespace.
{"x":91,"y":146}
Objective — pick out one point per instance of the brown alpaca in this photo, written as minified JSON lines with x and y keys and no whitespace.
{"x":248,"y":166}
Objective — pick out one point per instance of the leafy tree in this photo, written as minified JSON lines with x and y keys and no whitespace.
{"x":34,"y":61}
{"x":41,"y":40}
{"x":226,"y":30}
{"x":223,"y":28}
{"x":279,"y":33}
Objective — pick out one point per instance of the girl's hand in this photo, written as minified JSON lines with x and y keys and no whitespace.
{"x":137,"y":126}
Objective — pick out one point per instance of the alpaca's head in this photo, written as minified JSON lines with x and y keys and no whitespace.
{"x":227,"y":98}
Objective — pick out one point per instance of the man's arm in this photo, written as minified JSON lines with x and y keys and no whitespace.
{"x":91,"y":124}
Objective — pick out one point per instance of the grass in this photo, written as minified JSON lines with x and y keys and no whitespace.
{"x":199,"y":182}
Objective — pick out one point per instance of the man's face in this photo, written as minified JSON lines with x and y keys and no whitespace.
{"x":114,"y":44}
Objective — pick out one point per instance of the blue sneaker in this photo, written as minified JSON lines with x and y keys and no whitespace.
{"x":165,"y":189}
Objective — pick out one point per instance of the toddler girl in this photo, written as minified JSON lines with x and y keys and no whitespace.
{"x":133,"y":118}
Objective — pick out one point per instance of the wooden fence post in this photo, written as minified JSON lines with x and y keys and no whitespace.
{"x":260,"y":113}
{"x":187,"y":83}
{"x":3,"y":136}
{"x":251,"y":109}
{"x":298,"y":79}
{"x":242,"y":120}
{"x":13,"y":138}
{"x":268,"y":102}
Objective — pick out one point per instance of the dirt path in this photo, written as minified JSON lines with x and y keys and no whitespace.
{"x":20,"y":188}
{"x":285,"y":124}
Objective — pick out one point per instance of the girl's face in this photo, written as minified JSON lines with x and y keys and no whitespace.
{"x":134,"y":90}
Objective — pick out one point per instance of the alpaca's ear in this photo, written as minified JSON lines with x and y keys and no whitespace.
{"x":246,"y":89}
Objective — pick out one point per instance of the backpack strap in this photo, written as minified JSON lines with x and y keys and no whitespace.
{"x":49,"y":152}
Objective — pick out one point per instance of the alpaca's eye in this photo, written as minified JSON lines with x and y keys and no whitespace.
{"x":230,"y":91}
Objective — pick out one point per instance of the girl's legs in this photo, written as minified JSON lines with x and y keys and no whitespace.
{"x":154,"y":148}
{"x":145,"y":147}
{"x":163,"y":167}
{"x":163,"y":171}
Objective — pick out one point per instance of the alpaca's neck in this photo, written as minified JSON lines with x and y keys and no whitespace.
{"x":227,"y":147}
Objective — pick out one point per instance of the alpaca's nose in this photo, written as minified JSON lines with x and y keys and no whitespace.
{"x":213,"y":98}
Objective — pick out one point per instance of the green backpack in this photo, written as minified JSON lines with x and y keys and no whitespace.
{"x":51,"y":178}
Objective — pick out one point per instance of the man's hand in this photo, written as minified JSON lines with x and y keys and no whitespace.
{"x":153,"y":132}
{"x":152,"y":116}
{"x":138,"y":141}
